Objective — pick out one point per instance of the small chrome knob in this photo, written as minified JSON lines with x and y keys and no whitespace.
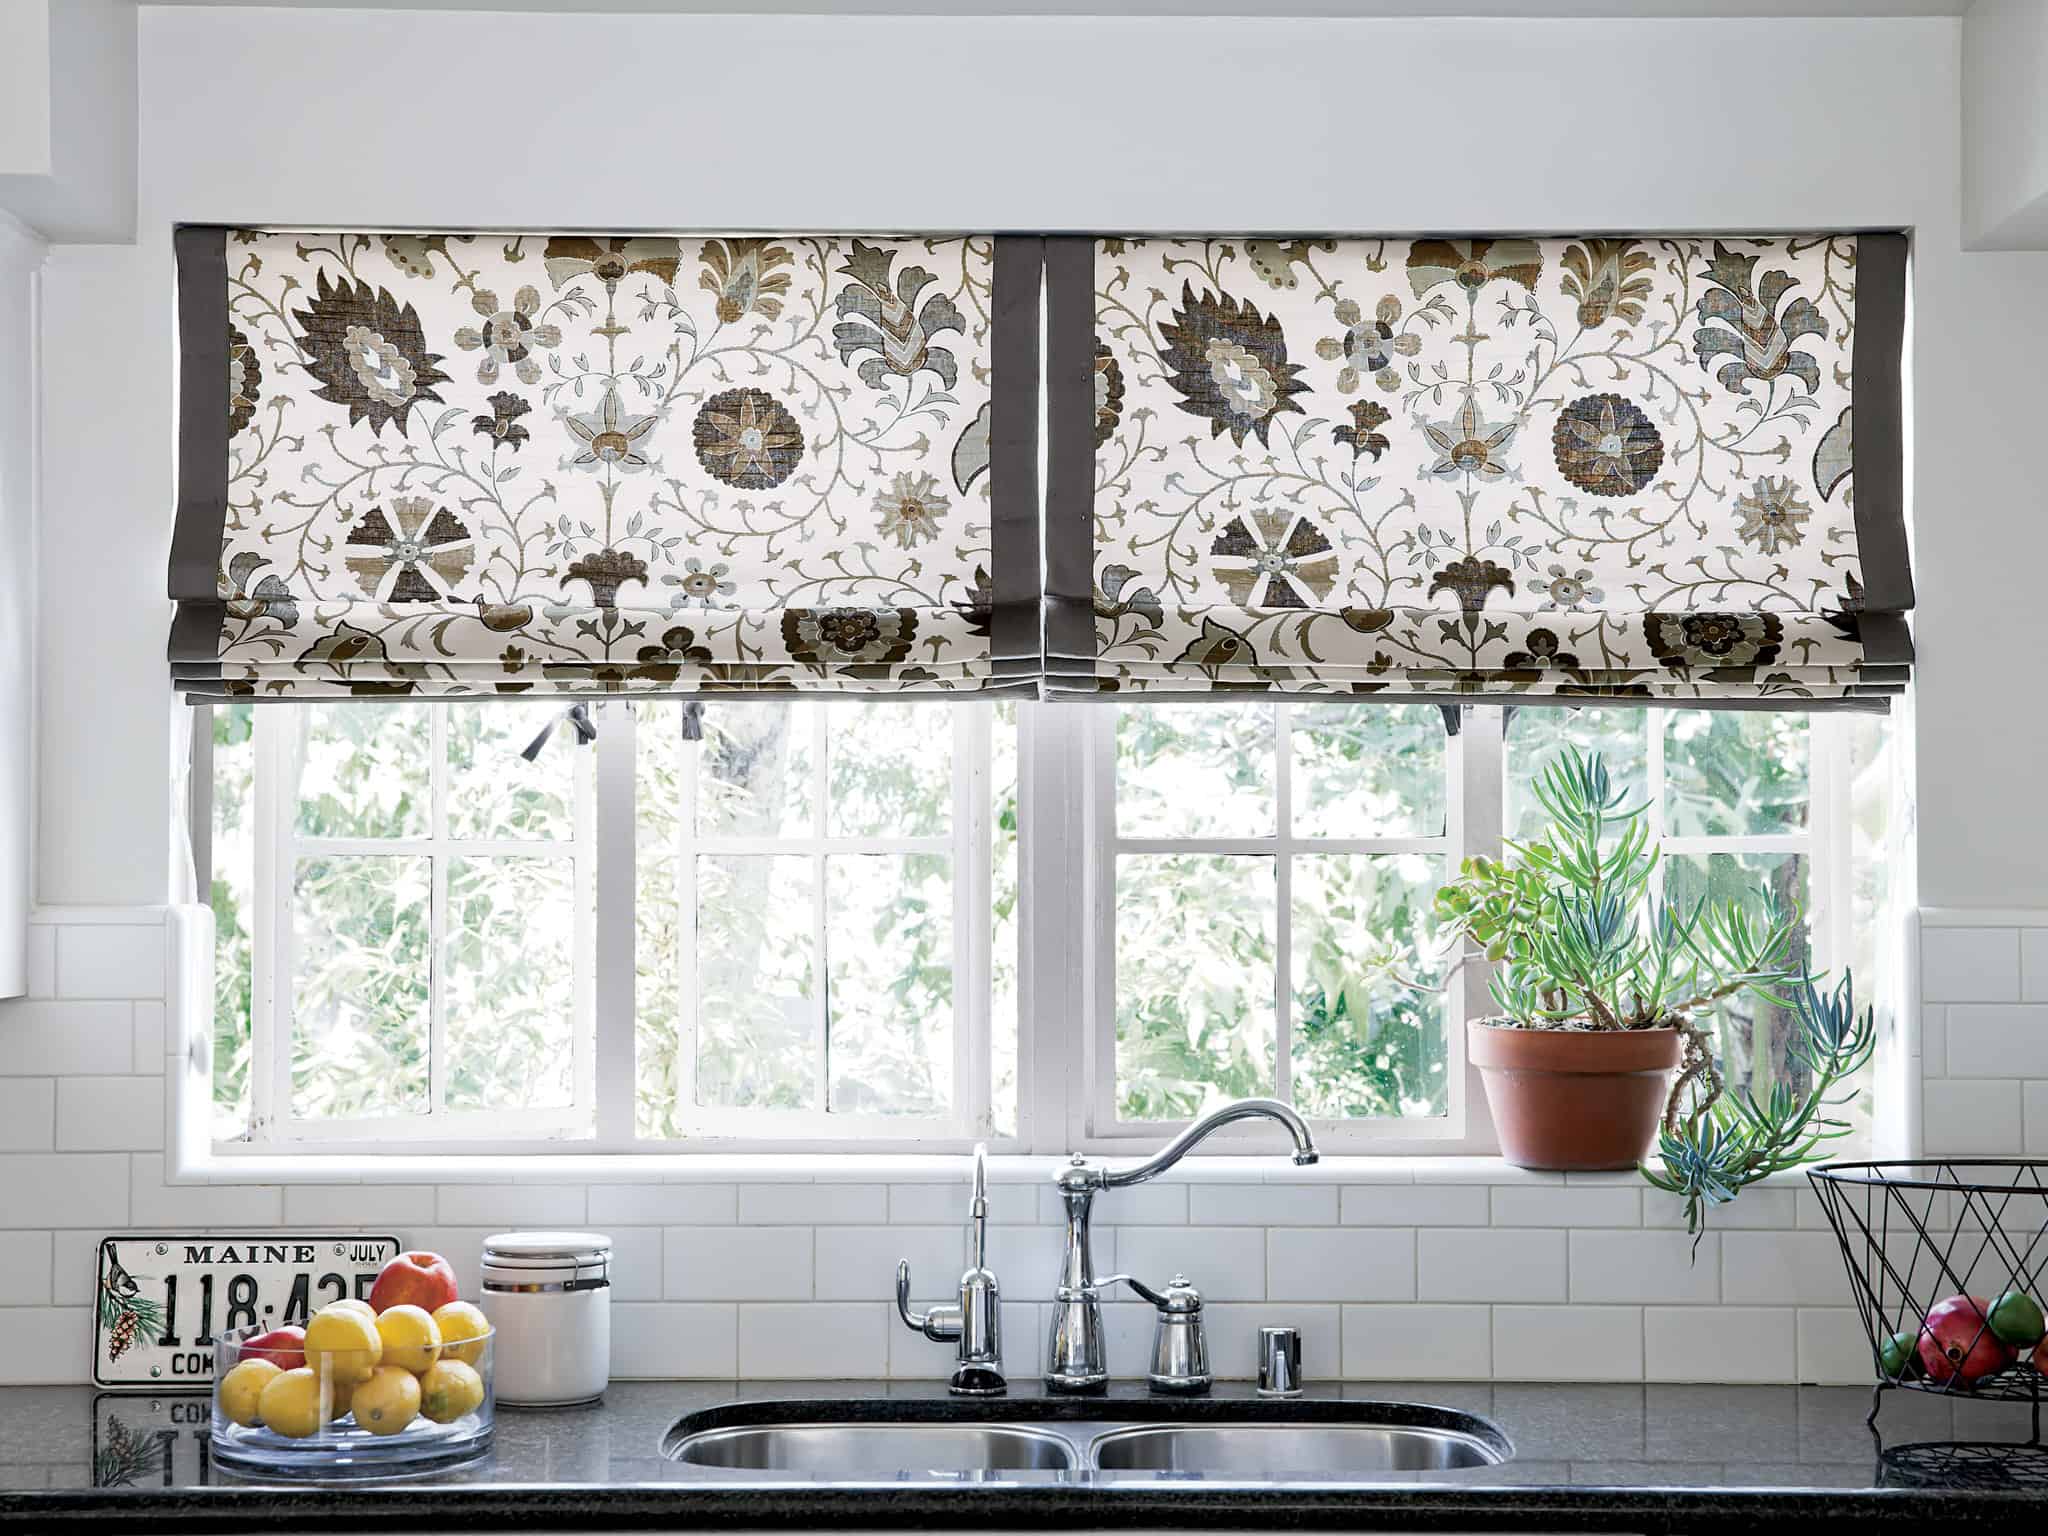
{"x":1279,"y":1362}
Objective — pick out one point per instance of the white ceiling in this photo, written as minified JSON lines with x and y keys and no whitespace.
{"x":1297,"y":8}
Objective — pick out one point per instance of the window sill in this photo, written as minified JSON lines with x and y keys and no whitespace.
{"x":868,"y":1168}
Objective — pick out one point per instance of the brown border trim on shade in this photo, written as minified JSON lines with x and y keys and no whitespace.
{"x":202,"y":259}
{"x":1014,"y":555}
{"x":1877,"y":396}
{"x":1070,"y":436}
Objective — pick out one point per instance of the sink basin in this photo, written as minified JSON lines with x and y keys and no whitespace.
{"x":866,"y":1451}
{"x":1335,"y":1451}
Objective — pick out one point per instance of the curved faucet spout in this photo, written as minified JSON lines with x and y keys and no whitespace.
{"x":1242,"y":1109}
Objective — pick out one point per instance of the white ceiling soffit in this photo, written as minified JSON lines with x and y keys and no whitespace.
{"x":1529,"y":9}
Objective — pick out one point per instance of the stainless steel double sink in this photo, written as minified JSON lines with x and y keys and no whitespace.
{"x":895,"y":1440}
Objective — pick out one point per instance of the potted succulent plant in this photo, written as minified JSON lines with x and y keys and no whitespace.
{"x":1605,"y":994}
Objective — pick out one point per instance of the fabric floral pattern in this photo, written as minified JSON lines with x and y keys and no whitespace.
{"x":727,"y":462}
{"x":1581,"y":467}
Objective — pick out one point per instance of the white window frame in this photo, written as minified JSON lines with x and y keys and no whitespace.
{"x":273,"y":1127}
{"x":1066,"y":937}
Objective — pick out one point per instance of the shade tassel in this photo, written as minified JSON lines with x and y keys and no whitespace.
{"x":578,"y":717}
{"x":1454,"y":718}
{"x":693,"y":720}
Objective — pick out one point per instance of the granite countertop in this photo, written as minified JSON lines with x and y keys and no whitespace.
{"x":1638,"y":1458}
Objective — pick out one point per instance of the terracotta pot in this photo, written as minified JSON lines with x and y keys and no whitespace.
{"x":1575,"y":1099}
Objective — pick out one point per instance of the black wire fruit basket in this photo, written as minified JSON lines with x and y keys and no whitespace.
{"x":1948,"y":1267}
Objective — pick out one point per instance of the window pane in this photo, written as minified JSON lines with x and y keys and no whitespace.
{"x":359,"y":983}
{"x":363,"y":769}
{"x":232,"y":897}
{"x":1194,"y":982}
{"x":1364,"y":770}
{"x":891,"y":767}
{"x":756,"y":1018}
{"x":1194,"y":770}
{"x":754,"y":774}
{"x":1364,"y":1044}
{"x":657,"y":1011}
{"x":495,"y":792}
{"x":889,"y":941}
{"x":1752,"y":1032}
{"x":1004,"y":926}
{"x":1536,"y":735}
{"x":1731,"y":773}
{"x":509,"y":1013}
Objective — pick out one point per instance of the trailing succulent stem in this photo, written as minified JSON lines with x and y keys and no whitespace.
{"x":1578,"y":941}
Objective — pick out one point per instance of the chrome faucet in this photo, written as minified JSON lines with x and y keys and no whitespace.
{"x":1074,"y":1358}
{"x":975,"y":1322}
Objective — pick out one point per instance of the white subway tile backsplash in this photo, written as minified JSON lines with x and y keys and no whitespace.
{"x":686,"y":1205}
{"x":1998,"y":1040}
{"x":1266,"y":1205}
{"x":1524,"y":1205}
{"x":1234,"y":1337}
{"x":1833,"y":1348}
{"x":931,"y":1205}
{"x":1225,"y":1263}
{"x":2034,"y":1117}
{"x":154,"y":1203}
{"x":1970,"y":965}
{"x":1427,"y":1342}
{"x":1760,"y":1209}
{"x":110,"y":1114}
{"x":42,"y":960}
{"x":25,"y":1270}
{"x":151,"y":1037}
{"x":1734,"y":1344}
{"x":511,"y":1205}
{"x":2034,"y":965}
{"x":636,"y":1263}
{"x":391,"y":1207}
{"x":659,"y":1341}
{"x":77,"y":1189}
{"x":859,"y":1263}
{"x":1148,"y":1205}
{"x":44,"y":1345}
{"x":1568,"y":1343}
{"x":1933,"y":1043}
{"x":1491,"y":1264}
{"x":58,"y":1039}
{"x":737,"y":1263}
{"x":814,"y":1204}
{"x":1028,"y":1258}
{"x":28,"y":1114}
{"x":1960,"y":1117}
{"x":820,"y":1341}
{"x":110,"y":960}
{"x":1647,"y":1266}
{"x":1415,"y":1205}
{"x":1340,"y":1264}
{"x":1803,"y":1268}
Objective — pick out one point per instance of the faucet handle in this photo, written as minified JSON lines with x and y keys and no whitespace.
{"x":942,"y":1324}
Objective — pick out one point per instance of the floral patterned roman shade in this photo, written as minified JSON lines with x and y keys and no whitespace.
{"x":529,"y":464}
{"x":1660,"y":468}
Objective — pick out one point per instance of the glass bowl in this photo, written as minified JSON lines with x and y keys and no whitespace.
{"x":323,"y":1417}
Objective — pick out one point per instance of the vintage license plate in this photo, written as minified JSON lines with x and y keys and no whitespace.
{"x":159,"y":1440}
{"x":162,"y":1299}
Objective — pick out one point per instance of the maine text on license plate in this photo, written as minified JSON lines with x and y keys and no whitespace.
{"x":162,"y":1299}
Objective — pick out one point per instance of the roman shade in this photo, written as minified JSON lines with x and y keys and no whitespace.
{"x":1657,"y":468}
{"x":531,"y":464}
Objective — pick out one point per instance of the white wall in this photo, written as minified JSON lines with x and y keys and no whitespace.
{"x":25,"y":87}
{"x":21,"y":257}
{"x":622,"y":121}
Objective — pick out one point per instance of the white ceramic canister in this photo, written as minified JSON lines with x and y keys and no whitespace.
{"x":549,"y":1296}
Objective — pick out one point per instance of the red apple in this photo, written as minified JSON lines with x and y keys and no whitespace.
{"x":423,"y":1279}
{"x":283,"y":1347}
{"x":2040,"y":1357}
{"x":1957,"y":1342}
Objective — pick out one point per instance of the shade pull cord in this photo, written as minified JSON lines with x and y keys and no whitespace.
{"x":578,"y":716}
{"x":693,"y":720}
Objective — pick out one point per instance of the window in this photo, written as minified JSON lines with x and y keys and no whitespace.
{"x":833,"y":925}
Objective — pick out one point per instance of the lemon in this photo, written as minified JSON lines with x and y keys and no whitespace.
{"x":242,"y":1386}
{"x":411,"y":1336}
{"x":290,"y":1403}
{"x":352,"y":1304}
{"x":463,"y":1327}
{"x":449,"y":1390}
{"x":388,"y":1401}
{"x":343,"y":1345}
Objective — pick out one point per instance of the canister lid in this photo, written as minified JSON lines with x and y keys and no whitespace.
{"x":546,"y":1254}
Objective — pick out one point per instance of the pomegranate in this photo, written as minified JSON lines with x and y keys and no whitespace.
{"x":1957,"y":1344}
